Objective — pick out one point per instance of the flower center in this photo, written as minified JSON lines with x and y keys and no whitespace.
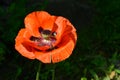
{"x":46,"y":34}
{"x":47,"y":39}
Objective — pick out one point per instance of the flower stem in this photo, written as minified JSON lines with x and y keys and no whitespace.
{"x":53,"y":72}
{"x":38,"y":72}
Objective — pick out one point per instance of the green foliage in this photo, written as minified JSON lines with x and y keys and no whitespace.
{"x":2,"y":52}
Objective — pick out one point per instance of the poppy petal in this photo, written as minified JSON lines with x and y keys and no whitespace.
{"x":24,"y":52}
{"x":46,"y":20}
{"x":65,"y":48}
{"x":35,"y":20}
{"x":61,"y":24}
{"x":64,"y":27}
{"x":69,"y":28}
{"x":19,"y":46}
{"x":32,"y":24}
{"x":44,"y":57}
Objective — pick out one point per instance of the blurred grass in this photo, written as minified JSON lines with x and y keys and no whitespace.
{"x":95,"y":57}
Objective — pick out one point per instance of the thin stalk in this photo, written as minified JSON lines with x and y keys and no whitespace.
{"x":53,"y":72}
{"x":38,"y":72}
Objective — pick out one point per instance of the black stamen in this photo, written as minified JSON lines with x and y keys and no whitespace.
{"x":32,"y":38}
{"x":46,"y":32}
{"x":40,"y":29}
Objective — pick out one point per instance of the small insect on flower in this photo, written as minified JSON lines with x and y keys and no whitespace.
{"x":46,"y":37}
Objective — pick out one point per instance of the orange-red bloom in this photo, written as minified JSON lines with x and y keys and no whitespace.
{"x":46,"y":37}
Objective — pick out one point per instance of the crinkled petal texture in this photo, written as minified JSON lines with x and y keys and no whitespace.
{"x":65,"y":38}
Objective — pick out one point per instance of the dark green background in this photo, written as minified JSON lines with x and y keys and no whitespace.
{"x":97,"y":52}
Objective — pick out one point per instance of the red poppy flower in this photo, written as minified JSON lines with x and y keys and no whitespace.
{"x":46,"y":37}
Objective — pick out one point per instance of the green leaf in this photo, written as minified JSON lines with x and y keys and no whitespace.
{"x":11,"y":8}
{"x":83,"y":78}
{"x":117,"y":71}
{"x":106,"y":78}
{"x":94,"y":75}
